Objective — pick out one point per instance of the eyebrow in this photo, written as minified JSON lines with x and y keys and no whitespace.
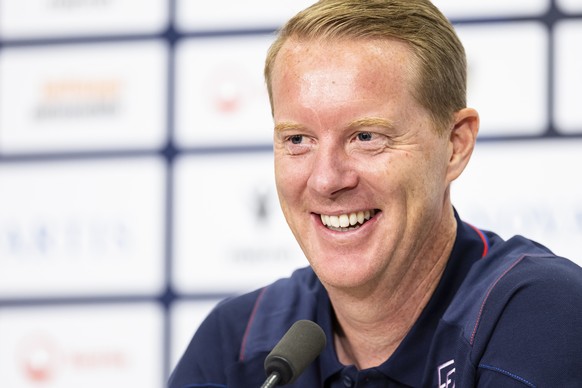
{"x":359,"y":123}
{"x":372,"y":122}
{"x":285,"y":126}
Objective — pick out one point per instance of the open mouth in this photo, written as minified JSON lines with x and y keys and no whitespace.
{"x":347,"y":222}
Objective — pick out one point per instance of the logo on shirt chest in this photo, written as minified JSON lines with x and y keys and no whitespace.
{"x":446,"y":374}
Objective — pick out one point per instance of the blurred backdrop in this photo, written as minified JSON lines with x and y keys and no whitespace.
{"x":136,"y":185}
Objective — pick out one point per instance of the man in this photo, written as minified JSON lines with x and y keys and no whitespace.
{"x":371,"y":129}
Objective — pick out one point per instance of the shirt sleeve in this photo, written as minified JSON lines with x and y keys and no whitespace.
{"x":215,"y":345}
{"x":536,"y":337}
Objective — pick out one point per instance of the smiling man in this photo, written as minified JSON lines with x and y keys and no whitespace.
{"x":370,"y":130}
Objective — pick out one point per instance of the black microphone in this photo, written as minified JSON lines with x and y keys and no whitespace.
{"x":298,"y":348}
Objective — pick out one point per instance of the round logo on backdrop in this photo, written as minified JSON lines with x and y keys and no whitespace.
{"x":229,"y":88}
{"x":38,"y":357}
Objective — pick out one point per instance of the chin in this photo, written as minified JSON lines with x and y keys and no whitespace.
{"x":344,"y":275}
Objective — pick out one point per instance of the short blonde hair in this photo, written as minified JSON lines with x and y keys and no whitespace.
{"x":442,"y":69}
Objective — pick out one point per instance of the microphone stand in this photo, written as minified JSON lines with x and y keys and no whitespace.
{"x":271,"y":381}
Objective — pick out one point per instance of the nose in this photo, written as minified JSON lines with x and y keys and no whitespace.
{"x":332,"y":172}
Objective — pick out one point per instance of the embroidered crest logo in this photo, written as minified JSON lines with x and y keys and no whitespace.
{"x":446,"y":374}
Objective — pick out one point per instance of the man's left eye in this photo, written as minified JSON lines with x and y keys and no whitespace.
{"x":364,"y":136}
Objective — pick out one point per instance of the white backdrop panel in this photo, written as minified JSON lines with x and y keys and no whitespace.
{"x":507,"y":72}
{"x":82,"y":346}
{"x":568,"y":76}
{"x":83,"y":228}
{"x":230,"y":234}
{"x":22,"y":19}
{"x":192,"y":15}
{"x":491,"y":8}
{"x":221,"y":98}
{"x":570,"y":5}
{"x":83,"y":97}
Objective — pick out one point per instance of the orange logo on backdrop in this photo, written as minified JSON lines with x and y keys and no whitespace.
{"x":78,"y":98}
{"x":106,"y":89}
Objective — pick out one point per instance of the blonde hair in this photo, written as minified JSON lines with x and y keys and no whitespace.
{"x":441,"y":72}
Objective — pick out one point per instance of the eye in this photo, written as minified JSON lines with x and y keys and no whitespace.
{"x":297,"y":144}
{"x":364,"y":136}
{"x":296,"y":139}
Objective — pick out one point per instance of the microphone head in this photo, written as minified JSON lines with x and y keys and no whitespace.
{"x":298,"y":348}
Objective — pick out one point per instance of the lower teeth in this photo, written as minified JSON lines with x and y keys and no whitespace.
{"x":343,"y":229}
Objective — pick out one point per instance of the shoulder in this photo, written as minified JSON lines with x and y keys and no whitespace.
{"x":512,"y":269}
{"x":232,"y":320}
{"x":543,"y":287}
{"x":531,"y":324}
{"x":235,"y":319}
{"x":277,"y":307}
{"x":536,"y":283}
{"x":522,"y":314}
{"x":240,"y":326}
{"x":215,"y":344}
{"x":524,"y":267}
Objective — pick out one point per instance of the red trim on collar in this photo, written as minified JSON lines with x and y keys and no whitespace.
{"x":249,"y":323}
{"x":483,"y":238}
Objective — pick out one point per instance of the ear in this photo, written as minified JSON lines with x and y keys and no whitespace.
{"x":462,"y":140}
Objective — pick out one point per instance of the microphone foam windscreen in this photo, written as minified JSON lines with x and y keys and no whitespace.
{"x":298,"y":348}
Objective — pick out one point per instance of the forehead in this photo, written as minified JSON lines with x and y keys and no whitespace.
{"x":336,"y":68}
{"x":364,"y":58}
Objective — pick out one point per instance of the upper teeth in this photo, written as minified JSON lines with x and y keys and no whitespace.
{"x":347,"y":220}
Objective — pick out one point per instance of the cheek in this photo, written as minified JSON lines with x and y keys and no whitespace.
{"x":432,"y":176}
{"x":289,"y":181}
{"x":406,"y":176}
{"x":388,"y":172}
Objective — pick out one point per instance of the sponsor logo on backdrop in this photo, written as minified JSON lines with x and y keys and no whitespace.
{"x":261,"y":208}
{"x":538,"y":219}
{"x":257,"y":255}
{"x":38,"y":358}
{"x":73,"y":238}
{"x":75,"y":4}
{"x":42,"y":359}
{"x":229,"y":89}
{"x":78,"y":98}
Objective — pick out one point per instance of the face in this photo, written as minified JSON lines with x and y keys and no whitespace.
{"x":361,"y":173}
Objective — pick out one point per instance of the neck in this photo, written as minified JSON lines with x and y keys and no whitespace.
{"x":372,"y":322}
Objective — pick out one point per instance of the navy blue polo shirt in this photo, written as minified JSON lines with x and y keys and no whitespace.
{"x":504,"y":314}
